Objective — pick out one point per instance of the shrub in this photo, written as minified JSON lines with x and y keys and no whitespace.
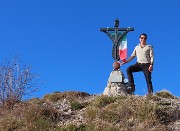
{"x":165,"y":94}
{"x":76,"y":105}
{"x":91,"y":113}
{"x":72,"y":127}
{"x":109,"y":116}
{"x":146,"y":110}
{"x":53,"y":97}
{"x":70,"y":96}
{"x":16,"y":81}
{"x":10,"y":123}
{"x":102,"y":101}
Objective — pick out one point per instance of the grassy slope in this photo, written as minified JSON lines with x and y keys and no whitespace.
{"x":80,"y":111}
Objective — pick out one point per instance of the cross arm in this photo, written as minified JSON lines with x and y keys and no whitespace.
{"x":119,"y":29}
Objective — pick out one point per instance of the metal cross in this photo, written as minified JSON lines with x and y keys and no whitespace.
{"x":117,"y":38}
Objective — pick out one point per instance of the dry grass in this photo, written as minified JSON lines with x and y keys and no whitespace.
{"x":122,"y":113}
{"x":165,"y":94}
{"x":70,"y":95}
{"x":125,"y":113}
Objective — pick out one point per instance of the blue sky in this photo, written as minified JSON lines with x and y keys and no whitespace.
{"x":61,"y":41}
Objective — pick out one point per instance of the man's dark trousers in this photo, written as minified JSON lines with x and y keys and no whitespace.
{"x":136,"y":68}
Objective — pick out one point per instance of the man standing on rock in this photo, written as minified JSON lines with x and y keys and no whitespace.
{"x":145,"y":61}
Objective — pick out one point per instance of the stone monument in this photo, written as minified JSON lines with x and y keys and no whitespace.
{"x":116,"y":84}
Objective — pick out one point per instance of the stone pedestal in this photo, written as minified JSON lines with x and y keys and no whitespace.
{"x":115,"y":85}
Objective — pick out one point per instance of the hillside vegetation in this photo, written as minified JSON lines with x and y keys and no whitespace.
{"x":80,"y":111}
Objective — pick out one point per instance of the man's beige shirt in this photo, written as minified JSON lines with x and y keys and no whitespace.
{"x":144,"y":54}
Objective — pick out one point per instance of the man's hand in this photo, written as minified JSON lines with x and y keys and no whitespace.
{"x":150,"y":68}
{"x":124,"y":62}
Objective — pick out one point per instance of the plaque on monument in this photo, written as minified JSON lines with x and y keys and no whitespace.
{"x":115,"y":76}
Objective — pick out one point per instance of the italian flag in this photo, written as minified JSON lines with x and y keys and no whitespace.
{"x":123,"y":49}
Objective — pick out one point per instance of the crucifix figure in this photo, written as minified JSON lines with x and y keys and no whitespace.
{"x":116,"y":37}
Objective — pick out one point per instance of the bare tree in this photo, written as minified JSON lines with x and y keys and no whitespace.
{"x":16,"y":81}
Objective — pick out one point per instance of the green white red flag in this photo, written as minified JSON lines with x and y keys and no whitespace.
{"x":123,"y":49}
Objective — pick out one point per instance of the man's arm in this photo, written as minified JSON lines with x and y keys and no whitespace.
{"x":152,"y":55}
{"x":152,"y":59}
{"x":128,"y":60}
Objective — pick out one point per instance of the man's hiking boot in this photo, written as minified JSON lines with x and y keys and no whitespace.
{"x":130,"y":90}
{"x":149,"y":94}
